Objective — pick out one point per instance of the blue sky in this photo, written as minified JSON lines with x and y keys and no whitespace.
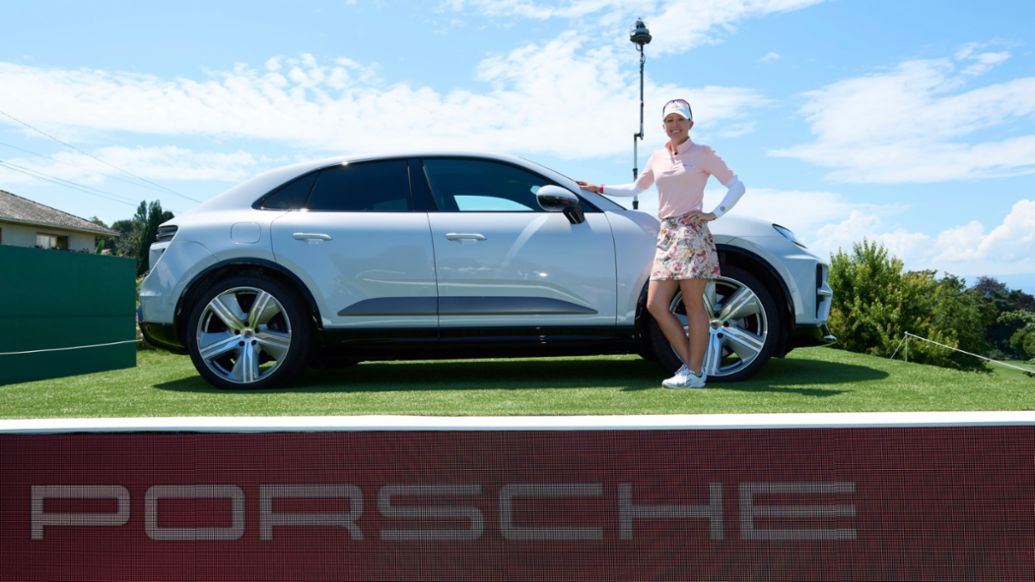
{"x":908,"y":122}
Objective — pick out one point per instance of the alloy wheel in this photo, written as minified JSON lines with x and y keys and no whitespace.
{"x":738,"y":326}
{"x":243,"y":335}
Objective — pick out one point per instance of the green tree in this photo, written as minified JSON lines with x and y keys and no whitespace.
{"x":149,"y":216}
{"x":104,"y":243}
{"x":956,"y":315}
{"x":137,"y":233}
{"x":129,"y":237}
{"x":995,"y":301}
{"x":876,"y":302}
{"x":1023,"y":339}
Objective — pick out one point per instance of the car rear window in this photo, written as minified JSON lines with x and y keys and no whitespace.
{"x":290,"y":196}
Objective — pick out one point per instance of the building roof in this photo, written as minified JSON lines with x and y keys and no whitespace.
{"x":14,"y":208}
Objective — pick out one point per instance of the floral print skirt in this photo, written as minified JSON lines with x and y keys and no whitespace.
{"x":685,"y":250}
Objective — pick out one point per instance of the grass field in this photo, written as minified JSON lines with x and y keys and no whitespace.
{"x":808,"y":380}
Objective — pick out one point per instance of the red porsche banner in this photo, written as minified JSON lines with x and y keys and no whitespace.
{"x":925,"y":503}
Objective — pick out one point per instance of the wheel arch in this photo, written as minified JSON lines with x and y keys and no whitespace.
{"x":751,"y":262}
{"x":230,"y":267}
{"x":759,"y":267}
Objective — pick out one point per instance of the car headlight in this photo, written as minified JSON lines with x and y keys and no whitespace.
{"x":788,"y":234}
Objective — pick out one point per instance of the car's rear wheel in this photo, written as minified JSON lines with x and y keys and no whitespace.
{"x":248,"y":332}
{"x":744,"y":325}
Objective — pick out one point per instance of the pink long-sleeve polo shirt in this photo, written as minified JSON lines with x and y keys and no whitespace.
{"x":680,"y":178}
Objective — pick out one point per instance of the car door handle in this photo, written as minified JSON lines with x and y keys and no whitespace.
{"x":464,"y":236}
{"x":311,"y":236}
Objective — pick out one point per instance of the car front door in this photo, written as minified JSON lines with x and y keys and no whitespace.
{"x":359,"y":247}
{"x":502,"y":262}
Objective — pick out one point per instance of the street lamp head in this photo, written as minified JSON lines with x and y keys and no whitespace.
{"x":640,"y":35}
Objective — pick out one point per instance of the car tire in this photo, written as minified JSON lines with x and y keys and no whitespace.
{"x":744,"y":331}
{"x":249,"y":332}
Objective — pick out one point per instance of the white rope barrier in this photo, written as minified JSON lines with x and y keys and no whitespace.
{"x":132,"y":341}
{"x":907,"y":335}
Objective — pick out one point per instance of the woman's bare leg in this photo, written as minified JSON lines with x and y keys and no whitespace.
{"x":659,"y":297}
{"x":697,"y":318}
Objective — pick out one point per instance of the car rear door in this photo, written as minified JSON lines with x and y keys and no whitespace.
{"x":502,"y":262}
{"x":360,"y":247}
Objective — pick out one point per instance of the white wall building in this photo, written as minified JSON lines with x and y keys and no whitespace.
{"x":24,"y":223}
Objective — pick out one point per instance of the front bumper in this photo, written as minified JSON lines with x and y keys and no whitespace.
{"x":812,"y":335}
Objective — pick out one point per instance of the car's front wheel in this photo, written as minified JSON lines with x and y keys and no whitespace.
{"x":743,"y":331}
{"x":247,"y":332}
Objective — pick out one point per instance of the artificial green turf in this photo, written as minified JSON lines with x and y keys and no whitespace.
{"x":808,"y":380}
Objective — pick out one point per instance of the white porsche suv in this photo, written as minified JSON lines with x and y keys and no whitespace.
{"x":439,"y":255}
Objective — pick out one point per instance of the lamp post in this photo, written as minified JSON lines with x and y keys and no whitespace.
{"x":639,"y":36}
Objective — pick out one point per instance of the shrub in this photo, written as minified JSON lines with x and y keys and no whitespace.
{"x":1023,"y":339}
{"x":875,"y":303}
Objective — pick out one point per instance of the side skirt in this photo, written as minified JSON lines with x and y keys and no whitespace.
{"x":412,"y":344}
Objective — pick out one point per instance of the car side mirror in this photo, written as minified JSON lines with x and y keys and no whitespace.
{"x":556,"y":199}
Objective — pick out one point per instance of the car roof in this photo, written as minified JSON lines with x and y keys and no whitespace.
{"x":246,"y":192}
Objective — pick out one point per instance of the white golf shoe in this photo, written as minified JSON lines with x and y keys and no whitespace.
{"x":687,"y":379}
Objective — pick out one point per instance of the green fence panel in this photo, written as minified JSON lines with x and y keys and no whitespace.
{"x":52,"y":300}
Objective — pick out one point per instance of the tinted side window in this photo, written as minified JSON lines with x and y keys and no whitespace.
{"x":290,"y":196}
{"x":482,"y":186}
{"x":363,"y":187}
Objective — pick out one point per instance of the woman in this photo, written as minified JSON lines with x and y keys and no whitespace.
{"x":685,"y":258}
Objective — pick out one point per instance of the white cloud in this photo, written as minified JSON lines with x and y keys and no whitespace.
{"x":803,"y":212}
{"x":539,"y":11}
{"x":1009,"y":248}
{"x":165,"y":163}
{"x":828,"y":221}
{"x":543,"y":98}
{"x":912,"y":124}
{"x":983,"y":61}
{"x":770,"y":57}
{"x":960,"y":243}
{"x":676,"y":25}
{"x":540,"y":99}
{"x":681,"y":25}
{"x":911,"y":247}
{"x":967,"y":250}
{"x":1013,"y":241}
